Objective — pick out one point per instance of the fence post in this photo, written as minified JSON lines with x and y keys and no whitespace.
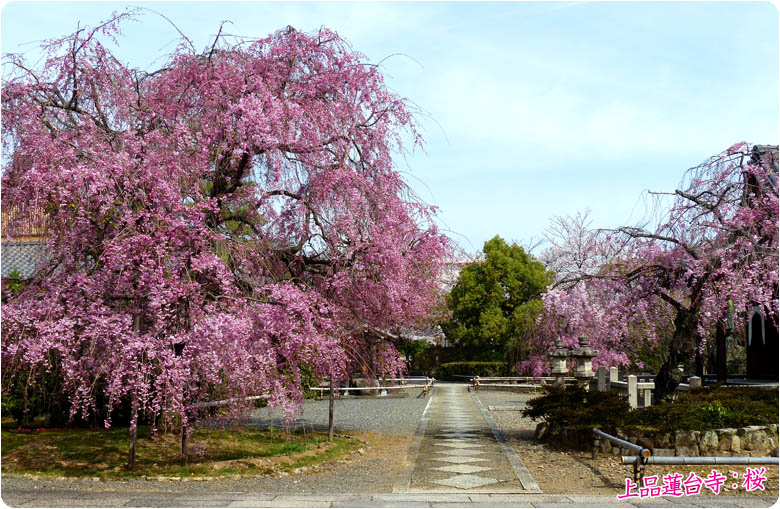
{"x":613,"y":374}
{"x":648,"y":398}
{"x":601,"y":379}
{"x":694,"y":382}
{"x":632,"y":391}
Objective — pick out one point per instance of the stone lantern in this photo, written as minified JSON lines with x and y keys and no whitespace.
{"x":559,"y":356}
{"x":584,"y":356}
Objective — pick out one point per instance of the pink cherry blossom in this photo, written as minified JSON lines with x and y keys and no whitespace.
{"x":214,"y":226}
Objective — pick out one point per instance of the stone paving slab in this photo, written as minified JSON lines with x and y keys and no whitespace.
{"x":459,"y":450}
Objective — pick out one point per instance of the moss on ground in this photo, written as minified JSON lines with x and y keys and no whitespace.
{"x":212,"y":452}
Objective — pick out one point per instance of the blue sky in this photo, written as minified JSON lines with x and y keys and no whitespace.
{"x":533,"y":109}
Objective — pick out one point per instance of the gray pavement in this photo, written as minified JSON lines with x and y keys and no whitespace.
{"x":397,"y":414}
{"x":232,"y":499}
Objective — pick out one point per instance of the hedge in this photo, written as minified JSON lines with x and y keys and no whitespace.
{"x":450,"y":369}
{"x":698,"y":409}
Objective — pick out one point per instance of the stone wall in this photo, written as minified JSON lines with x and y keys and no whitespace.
{"x":747,"y":441}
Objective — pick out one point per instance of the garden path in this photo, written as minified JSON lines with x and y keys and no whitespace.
{"x":459,"y":448}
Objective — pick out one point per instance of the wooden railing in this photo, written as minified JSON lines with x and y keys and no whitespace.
{"x":633,"y":388}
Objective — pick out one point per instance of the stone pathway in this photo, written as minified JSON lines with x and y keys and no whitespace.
{"x":461,"y":450}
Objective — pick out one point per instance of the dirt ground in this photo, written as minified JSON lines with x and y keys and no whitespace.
{"x":564,"y":471}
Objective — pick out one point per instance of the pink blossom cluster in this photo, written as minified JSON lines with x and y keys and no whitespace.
{"x":713,"y":252}
{"x":214,"y":226}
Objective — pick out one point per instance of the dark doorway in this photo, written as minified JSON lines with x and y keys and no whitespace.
{"x":762,"y":347}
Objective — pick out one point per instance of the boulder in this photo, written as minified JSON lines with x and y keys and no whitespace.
{"x":708,"y":442}
{"x":749,"y":429}
{"x":686,"y":438}
{"x":730,"y":443}
{"x":663,"y":440}
{"x":756,"y":440}
{"x":663,"y":452}
{"x":686,"y":450}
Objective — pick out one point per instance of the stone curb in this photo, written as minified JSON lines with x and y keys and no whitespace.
{"x":521,"y":471}
{"x":414,"y":449}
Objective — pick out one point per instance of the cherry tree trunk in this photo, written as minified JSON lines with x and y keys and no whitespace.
{"x":134,"y":414}
{"x":330,"y":411}
{"x":721,"y":352}
{"x":133,"y":434}
{"x":666,"y":381}
{"x":184,"y":439}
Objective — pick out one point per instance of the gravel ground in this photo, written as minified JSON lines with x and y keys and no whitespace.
{"x":385,"y":425}
{"x":565,"y":471}
{"x":392,"y":415}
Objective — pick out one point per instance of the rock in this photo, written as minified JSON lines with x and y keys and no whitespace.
{"x":736,"y":444}
{"x":541,"y":430}
{"x":749,"y":429}
{"x":774,"y":452}
{"x":686,"y":450}
{"x":756,"y":440}
{"x":708,"y":442}
{"x":644,"y":442}
{"x":725,"y":441}
{"x":686,"y":438}
{"x":663,"y":440}
{"x":616,"y":451}
{"x":663,"y":452}
{"x":726,"y":432}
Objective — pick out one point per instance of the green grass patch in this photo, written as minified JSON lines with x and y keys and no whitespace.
{"x":212,"y":452}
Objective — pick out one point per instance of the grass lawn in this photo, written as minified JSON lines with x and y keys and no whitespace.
{"x":103,"y":453}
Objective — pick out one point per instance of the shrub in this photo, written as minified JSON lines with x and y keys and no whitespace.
{"x":450,"y":369}
{"x":699,"y":409}
{"x":35,"y":398}
{"x":433,"y":357}
{"x":710,"y":408}
{"x":574,"y":406}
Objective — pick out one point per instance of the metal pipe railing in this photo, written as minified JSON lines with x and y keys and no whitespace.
{"x":641,"y":451}
{"x":703,"y":460}
{"x":425,"y":387}
{"x":223,"y":402}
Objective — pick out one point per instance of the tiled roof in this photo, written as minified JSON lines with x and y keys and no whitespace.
{"x":24,"y":235}
{"x":25,"y":257}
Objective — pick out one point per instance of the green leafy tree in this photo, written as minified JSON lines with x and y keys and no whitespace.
{"x":495,"y":301}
